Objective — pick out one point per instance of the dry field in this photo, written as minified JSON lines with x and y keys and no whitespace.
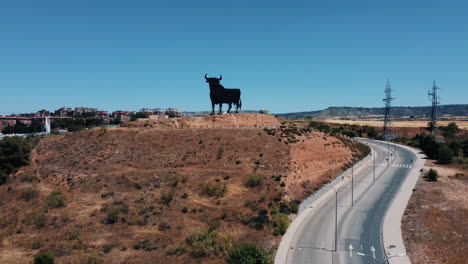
{"x":138,"y":195}
{"x":376,"y":123}
{"x":435,"y":225}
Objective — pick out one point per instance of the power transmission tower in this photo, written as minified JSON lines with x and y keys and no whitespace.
{"x":435,"y":101}
{"x":388,"y":123}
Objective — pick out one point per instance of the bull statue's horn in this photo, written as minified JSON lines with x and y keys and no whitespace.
{"x":220,"y":77}
{"x":206,"y":77}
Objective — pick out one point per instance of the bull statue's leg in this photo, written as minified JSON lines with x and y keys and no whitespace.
{"x":230,"y":106}
{"x":212,"y":109}
{"x":220,"y":109}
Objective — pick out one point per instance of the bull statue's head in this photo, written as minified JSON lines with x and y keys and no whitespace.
{"x":213,"y":80}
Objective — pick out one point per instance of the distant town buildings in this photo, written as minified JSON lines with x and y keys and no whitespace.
{"x":38,"y":119}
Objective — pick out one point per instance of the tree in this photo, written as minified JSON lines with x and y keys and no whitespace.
{"x":14,"y":153}
{"x":465,"y":148}
{"x":456,"y":146}
{"x":451,"y":130}
{"x":248,"y":254}
{"x":137,"y":115}
{"x":429,"y":146}
{"x":371,"y":133}
{"x":444,"y":154}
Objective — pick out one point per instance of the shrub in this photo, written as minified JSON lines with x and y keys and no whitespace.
{"x":432,"y":175}
{"x":176,"y":250}
{"x":248,"y":254}
{"x":29,"y":193}
{"x":112,"y":216}
{"x":37,"y":218}
{"x":444,"y":154}
{"x":280,"y":224}
{"x":205,"y":242}
{"x":91,"y":259}
{"x":254,"y":179}
{"x":107,"y":248}
{"x":56,"y":199}
{"x":294,"y":207}
{"x":216,"y":189}
{"x":73,"y":235}
{"x":166,"y":197}
{"x":34,"y":244}
{"x":163,"y":226}
{"x":44,"y":257}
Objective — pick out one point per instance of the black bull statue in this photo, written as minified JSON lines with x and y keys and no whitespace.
{"x":220,"y":95}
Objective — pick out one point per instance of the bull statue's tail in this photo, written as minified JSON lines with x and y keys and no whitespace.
{"x":240,"y":103}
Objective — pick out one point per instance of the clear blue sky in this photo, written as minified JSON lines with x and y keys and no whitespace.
{"x":285,"y":55}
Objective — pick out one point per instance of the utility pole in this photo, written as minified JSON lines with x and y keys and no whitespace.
{"x":388,"y":123}
{"x":435,"y":102}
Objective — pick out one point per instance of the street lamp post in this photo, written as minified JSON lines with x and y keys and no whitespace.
{"x":336,"y":216}
{"x":388,"y":152}
{"x":374,"y":164}
{"x":352,"y":185}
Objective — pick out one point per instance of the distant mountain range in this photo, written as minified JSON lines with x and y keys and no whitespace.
{"x":397,"y":111}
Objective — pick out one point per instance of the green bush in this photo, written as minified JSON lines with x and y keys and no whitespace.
{"x":216,"y":189}
{"x":444,"y":154}
{"x":205,"y":242}
{"x":280,"y":224}
{"x":44,"y":257}
{"x":294,"y":207}
{"x":248,"y":254}
{"x":432,"y":175}
{"x":56,"y":199}
{"x":254,"y":179}
{"x":14,"y":153}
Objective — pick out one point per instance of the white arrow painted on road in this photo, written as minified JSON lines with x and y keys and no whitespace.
{"x":373,"y":251}
{"x":351,"y":250}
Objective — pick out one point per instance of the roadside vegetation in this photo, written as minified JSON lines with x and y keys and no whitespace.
{"x":14,"y":153}
{"x":451,"y":149}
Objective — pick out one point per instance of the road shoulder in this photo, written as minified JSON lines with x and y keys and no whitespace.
{"x":392,"y":233}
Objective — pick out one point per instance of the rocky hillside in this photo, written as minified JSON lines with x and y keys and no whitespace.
{"x":146,"y":195}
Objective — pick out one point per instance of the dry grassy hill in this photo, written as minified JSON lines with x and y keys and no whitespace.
{"x":146,"y":195}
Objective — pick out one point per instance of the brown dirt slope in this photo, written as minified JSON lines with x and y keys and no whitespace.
{"x":435,"y":227}
{"x":161,"y":196}
{"x":210,"y":121}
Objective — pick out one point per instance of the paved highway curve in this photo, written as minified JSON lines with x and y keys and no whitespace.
{"x":359,"y":226}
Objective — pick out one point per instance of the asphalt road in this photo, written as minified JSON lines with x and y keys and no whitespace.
{"x":360,"y":225}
